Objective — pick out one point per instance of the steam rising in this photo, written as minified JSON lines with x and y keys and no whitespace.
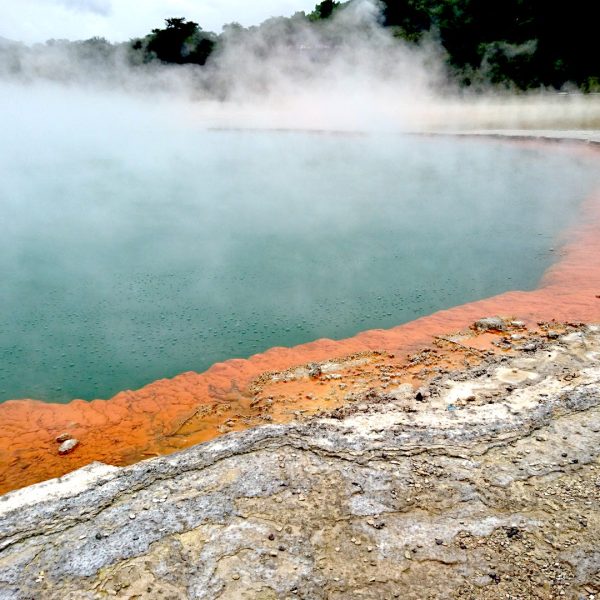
{"x":345,"y":73}
{"x":143,"y":237}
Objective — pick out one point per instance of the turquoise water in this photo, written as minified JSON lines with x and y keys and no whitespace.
{"x":138,"y":244}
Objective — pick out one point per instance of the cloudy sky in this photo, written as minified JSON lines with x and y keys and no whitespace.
{"x":117,"y":20}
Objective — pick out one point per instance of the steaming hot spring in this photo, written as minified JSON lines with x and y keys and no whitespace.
{"x":139,"y":243}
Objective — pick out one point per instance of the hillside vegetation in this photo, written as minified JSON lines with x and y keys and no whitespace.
{"x":515,"y":44}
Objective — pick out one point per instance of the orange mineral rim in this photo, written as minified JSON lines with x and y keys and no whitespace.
{"x":156,"y":419}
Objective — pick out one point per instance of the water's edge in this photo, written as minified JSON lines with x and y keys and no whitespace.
{"x":136,"y":424}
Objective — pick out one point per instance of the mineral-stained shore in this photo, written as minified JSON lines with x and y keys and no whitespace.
{"x":168,"y":415}
{"x":405,"y":463}
{"x":483,"y":482}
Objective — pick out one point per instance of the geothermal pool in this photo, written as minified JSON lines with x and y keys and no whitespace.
{"x":137,"y":242}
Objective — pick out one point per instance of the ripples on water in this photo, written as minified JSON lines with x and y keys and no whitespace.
{"x":138,"y":244}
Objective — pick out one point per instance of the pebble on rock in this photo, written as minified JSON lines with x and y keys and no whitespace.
{"x":490,"y":324}
{"x":68,"y":446}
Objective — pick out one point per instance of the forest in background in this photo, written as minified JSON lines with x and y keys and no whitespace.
{"x":510,"y":44}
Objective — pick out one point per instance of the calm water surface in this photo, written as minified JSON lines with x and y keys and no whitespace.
{"x":137,"y":244}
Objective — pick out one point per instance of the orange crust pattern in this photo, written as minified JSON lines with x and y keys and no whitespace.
{"x":155,"y":419}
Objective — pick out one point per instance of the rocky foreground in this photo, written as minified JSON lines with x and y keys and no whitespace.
{"x":483,"y":483}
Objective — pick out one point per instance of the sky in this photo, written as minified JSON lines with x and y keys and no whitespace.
{"x":33,"y":21}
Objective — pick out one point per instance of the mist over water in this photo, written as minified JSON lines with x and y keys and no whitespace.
{"x":139,"y":241}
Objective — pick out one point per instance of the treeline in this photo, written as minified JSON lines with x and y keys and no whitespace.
{"x":521,"y":44}
{"x":529,"y":43}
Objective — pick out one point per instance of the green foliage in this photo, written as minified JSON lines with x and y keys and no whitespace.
{"x":180,"y":42}
{"x":519,"y":44}
{"x":409,"y":20}
{"x":516,"y":43}
{"x":592,"y":85}
{"x":324,"y":10}
{"x":526,"y":43}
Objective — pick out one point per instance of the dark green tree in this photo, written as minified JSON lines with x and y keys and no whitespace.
{"x":408,"y":18}
{"x":514,"y":43}
{"x":528,"y":43}
{"x":180,"y":42}
{"x":324,"y":10}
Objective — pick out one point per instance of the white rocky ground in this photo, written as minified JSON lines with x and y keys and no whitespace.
{"x":488,"y":487}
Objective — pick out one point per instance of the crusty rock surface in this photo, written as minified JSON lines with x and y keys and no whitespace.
{"x":487,"y":487}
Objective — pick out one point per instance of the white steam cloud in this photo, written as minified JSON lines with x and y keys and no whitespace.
{"x":110,"y":174}
{"x":344,"y":73}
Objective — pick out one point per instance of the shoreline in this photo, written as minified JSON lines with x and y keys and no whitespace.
{"x":482,"y":484}
{"x":134,"y":425}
